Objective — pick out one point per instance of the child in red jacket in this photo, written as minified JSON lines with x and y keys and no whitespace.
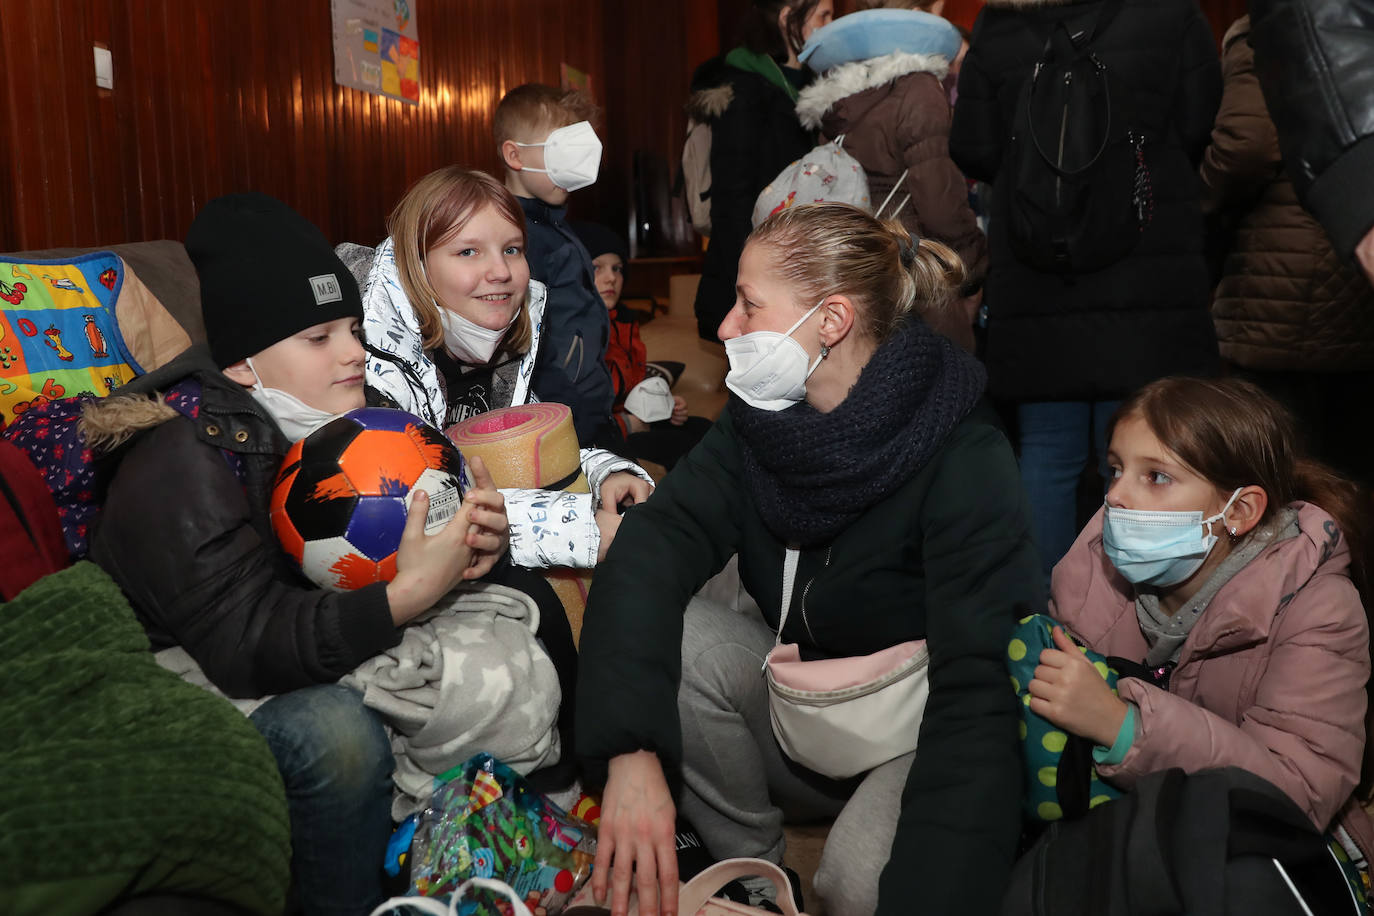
{"x":653,"y":420}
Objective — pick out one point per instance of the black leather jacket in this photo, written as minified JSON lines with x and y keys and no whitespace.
{"x":191,"y":544}
{"x":1315,"y":61}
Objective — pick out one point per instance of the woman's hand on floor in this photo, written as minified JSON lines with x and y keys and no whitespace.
{"x":1072,"y":694}
{"x":488,"y":528}
{"x":679,"y":410}
{"x":636,"y":837}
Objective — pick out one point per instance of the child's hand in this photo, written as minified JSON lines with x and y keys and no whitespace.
{"x":607,"y":524}
{"x":679,"y":410}
{"x":488,"y":528}
{"x":624,"y":487}
{"x":1069,"y":692}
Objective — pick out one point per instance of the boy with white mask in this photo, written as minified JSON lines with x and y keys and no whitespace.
{"x":549,"y":149}
{"x":194,"y":449}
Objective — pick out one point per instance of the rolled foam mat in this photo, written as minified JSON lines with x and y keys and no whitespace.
{"x":532,"y":446}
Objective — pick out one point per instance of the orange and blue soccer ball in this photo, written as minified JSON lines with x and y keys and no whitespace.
{"x":339,"y":504}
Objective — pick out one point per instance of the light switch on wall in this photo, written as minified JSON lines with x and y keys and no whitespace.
{"x":104,"y":68}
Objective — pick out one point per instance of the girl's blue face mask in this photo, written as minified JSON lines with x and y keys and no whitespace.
{"x":1159,"y":548}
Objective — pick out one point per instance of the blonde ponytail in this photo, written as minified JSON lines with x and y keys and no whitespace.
{"x":934,"y":273}
{"x":827,"y":248}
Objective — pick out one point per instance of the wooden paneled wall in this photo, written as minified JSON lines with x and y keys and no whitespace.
{"x":214,"y":96}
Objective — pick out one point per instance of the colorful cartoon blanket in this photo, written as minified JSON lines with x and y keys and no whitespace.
{"x":58,"y":334}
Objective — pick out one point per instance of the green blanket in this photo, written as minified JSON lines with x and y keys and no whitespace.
{"x":117,"y":778}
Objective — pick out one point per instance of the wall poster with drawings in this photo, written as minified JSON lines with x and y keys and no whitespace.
{"x":377,"y":47}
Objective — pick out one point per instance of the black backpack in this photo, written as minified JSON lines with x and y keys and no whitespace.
{"x":1079,"y":189}
{"x":1213,"y":843}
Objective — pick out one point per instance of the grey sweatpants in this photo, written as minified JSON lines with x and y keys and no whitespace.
{"x":740,"y":787}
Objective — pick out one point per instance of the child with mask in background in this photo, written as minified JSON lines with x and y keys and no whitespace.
{"x":654,"y":421}
{"x":193,"y":450}
{"x":549,"y":148}
{"x":1233,"y":571}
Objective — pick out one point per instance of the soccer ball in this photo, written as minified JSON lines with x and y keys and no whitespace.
{"x":339,"y":503}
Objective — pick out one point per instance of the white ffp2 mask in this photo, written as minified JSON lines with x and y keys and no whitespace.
{"x":468,"y":341}
{"x":572,"y":156}
{"x":295,"y":418}
{"x":769,"y":370}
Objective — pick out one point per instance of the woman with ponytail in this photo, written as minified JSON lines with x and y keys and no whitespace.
{"x":1234,"y":571}
{"x":857,"y":452}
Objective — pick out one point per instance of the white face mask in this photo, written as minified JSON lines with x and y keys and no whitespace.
{"x":572,"y":156}
{"x":767,"y":369}
{"x":295,"y":418}
{"x":469,"y":342}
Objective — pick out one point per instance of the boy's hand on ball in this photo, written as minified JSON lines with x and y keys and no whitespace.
{"x":428,"y":566}
{"x":488,"y":528}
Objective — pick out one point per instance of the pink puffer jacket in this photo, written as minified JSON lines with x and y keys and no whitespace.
{"x":1271,"y":678}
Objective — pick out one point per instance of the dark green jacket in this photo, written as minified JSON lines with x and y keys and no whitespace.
{"x":947,"y":557}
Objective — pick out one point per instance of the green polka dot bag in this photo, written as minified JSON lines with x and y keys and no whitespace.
{"x":1061,"y":780}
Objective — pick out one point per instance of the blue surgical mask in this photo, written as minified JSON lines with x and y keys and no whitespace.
{"x":1159,"y":548}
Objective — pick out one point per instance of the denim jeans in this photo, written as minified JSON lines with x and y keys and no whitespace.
{"x":1058,"y":439}
{"x":336,"y":762}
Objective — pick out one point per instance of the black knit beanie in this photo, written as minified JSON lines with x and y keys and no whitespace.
{"x":266,"y":273}
{"x":600,"y":240}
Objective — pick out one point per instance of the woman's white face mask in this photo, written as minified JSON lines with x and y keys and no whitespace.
{"x":768,"y":369}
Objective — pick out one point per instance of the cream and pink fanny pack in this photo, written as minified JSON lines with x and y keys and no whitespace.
{"x":844,"y":716}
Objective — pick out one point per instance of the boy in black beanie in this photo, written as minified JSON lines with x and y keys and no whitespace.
{"x":185,"y":530}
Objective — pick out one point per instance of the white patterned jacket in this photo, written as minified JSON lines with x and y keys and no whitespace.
{"x":547,"y":527}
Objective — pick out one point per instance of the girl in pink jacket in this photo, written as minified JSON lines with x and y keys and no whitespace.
{"x":1233,"y":570}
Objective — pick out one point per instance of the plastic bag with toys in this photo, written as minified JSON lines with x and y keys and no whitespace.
{"x":484,"y":821}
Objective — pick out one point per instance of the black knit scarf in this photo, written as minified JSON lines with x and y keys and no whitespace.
{"x":812,"y":474}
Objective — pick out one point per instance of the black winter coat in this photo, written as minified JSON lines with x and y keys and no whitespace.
{"x":192,"y":547}
{"x":755,"y":134}
{"x":571,"y":368}
{"x":1314,"y":59}
{"x":1098,"y":335}
{"x":946,"y":557}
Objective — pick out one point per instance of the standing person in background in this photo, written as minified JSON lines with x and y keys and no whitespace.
{"x":893,"y":112}
{"x":1312,"y":57}
{"x":1291,"y":315}
{"x":546,"y":142}
{"x":1067,"y":347}
{"x":747,"y":96}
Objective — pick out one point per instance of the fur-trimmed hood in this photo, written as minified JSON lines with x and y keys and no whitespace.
{"x":850,"y":79}
{"x":109,"y":422}
{"x":706,"y":105}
